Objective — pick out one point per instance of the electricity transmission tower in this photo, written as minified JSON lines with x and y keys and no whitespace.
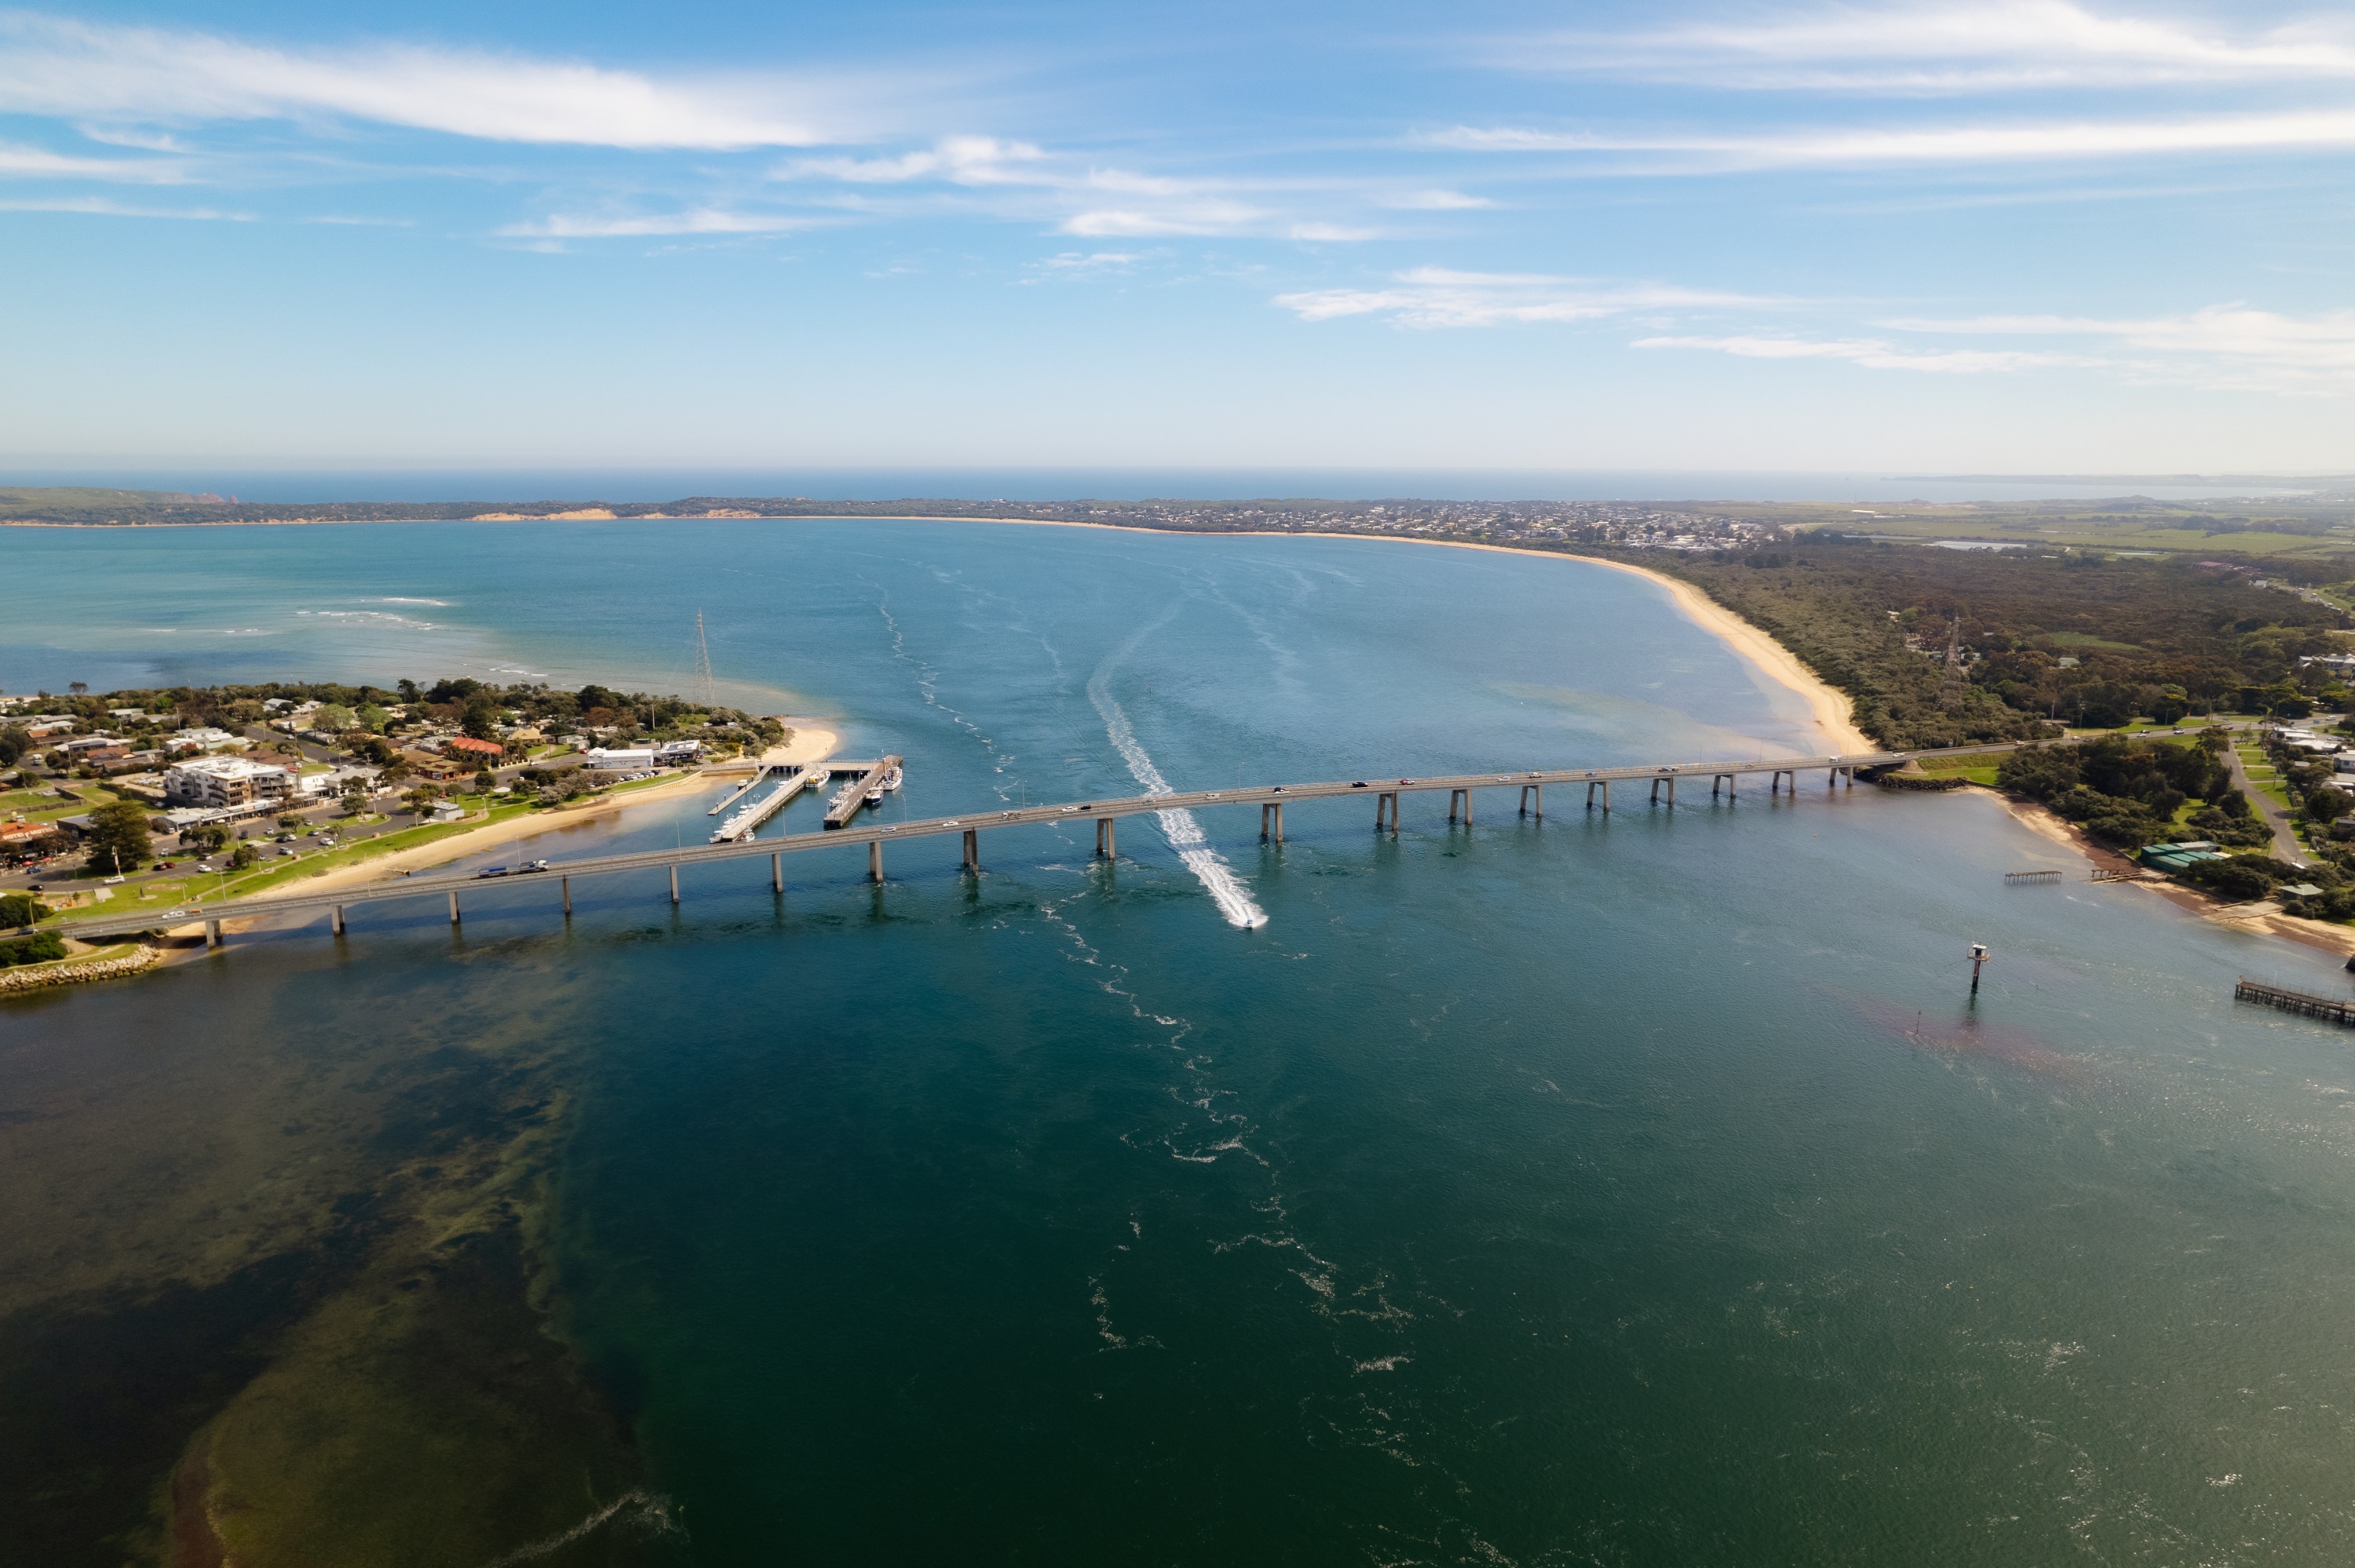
{"x":704,"y":691}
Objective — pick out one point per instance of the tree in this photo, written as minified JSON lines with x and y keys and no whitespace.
{"x":421,"y":800}
{"x":2328,"y":804}
{"x":118,"y":837}
{"x":485,"y":781}
{"x":481,"y":720}
{"x":408,"y":692}
{"x":14,"y":743}
{"x":20,"y":910}
{"x":290,"y":822}
{"x":2242,"y":877}
{"x":243,"y":856}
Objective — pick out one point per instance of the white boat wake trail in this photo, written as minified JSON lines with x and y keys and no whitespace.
{"x":1179,"y":826}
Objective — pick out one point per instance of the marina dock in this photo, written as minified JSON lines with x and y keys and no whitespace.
{"x":852,"y":800}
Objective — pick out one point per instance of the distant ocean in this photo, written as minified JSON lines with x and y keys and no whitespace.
{"x":292,"y":485}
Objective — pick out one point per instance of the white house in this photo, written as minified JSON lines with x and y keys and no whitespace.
{"x":623,"y":759}
{"x":225,"y":781}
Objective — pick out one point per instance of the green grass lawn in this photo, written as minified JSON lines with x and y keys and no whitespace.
{"x":2262,"y":775}
{"x":1978,"y":767}
{"x":261,"y":879}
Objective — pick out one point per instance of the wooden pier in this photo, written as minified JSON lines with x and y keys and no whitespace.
{"x":1385,"y":794}
{"x":2329,"y":1009}
{"x":744,"y":823}
{"x":855,"y":801}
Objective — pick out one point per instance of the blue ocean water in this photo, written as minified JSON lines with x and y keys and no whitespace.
{"x":1639,"y":1190}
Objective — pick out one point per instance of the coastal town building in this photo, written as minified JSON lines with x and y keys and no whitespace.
{"x":218,"y":782}
{"x":466,"y":746}
{"x":202,"y":738}
{"x":620,"y":759}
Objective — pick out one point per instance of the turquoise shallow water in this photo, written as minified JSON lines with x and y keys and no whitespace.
{"x":1631,"y":1192}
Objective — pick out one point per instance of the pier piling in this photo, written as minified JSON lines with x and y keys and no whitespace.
{"x":454,"y":907}
{"x":565,"y":883}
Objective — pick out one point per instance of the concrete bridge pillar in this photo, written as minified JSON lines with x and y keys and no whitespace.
{"x":212,"y":934}
{"x":1386,"y":804}
{"x":674,"y":882}
{"x":875,"y":860}
{"x":777,"y":873}
{"x":1533,"y":793}
{"x":565,"y":883}
{"x":973,"y":850}
{"x":335,"y":921}
{"x":1104,"y":838}
{"x":1461,"y":797}
{"x":454,"y":907}
{"x":1270,"y":822}
{"x":1604,"y":784}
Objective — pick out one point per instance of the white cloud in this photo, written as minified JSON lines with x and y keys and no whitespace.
{"x":19,"y":162}
{"x":1082,"y":264}
{"x":1333,"y":233}
{"x":1436,"y":297}
{"x":101,"y":207}
{"x":2227,"y":346}
{"x":52,"y":66}
{"x":697,"y":220}
{"x":1995,"y":44}
{"x":1870,"y":353}
{"x":960,"y":160}
{"x":1435,"y":201}
{"x":1949,"y":145}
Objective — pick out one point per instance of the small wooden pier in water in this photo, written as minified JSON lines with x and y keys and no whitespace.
{"x":2329,"y":1009}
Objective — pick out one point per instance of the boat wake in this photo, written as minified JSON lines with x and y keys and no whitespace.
{"x":1179,"y":826}
{"x":647,"y":1512}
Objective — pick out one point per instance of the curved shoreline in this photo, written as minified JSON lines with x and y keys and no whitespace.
{"x":1831,"y":713}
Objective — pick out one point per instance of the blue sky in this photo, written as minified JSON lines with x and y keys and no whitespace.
{"x":2018,"y":235}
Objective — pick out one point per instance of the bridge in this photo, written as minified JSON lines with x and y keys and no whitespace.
{"x":1661,"y":780}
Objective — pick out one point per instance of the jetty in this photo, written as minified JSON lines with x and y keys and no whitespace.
{"x":744,"y":822}
{"x":870,"y":779}
{"x":1783,"y":776}
{"x":2336,"y":1010}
